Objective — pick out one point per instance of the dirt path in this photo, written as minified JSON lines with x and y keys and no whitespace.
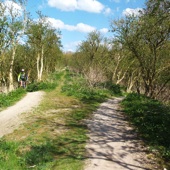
{"x":113,"y":144}
{"x":10,"y":118}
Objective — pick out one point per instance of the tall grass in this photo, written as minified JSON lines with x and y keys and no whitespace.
{"x":152,"y":120}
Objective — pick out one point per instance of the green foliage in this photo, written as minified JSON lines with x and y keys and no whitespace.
{"x":8,"y":151}
{"x":56,"y":76}
{"x":65,"y":150}
{"x":49,"y":84}
{"x":41,"y":86}
{"x":10,"y":98}
{"x":152,"y":120}
{"x":77,"y":86}
{"x":115,"y":89}
{"x":148,"y":46}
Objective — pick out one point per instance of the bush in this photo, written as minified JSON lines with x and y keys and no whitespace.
{"x":41,"y":86}
{"x":77,"y":86}
{"x":114,"y":88}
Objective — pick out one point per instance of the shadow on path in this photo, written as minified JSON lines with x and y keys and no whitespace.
{"x":112,"y":143}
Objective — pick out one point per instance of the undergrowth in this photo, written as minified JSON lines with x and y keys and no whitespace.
{"x":38,"y":146}
{"x":78,"y":87}
{"x":49,"y":84}
{"x":152,"y":120}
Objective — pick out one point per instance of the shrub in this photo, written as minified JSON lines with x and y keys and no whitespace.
{"x":114,"y":88}
{"x":41,"y":86}
{"x":77,"y":86}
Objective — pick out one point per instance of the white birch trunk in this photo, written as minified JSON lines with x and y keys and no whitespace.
{"x":11,"y":83}
{"x":42,"y":64}
{"x":120,"y":77}
{"x":38,"y":66}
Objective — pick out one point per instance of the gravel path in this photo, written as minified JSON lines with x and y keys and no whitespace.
{"x":10,"y":118}
{"x":113,"y":144}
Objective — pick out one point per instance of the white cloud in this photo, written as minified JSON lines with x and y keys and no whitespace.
{"x":79,"y":27}
{"x":107,"y":11}
{"x":65,"y":5}
{"x":56,"y":23}
{"x":13,"y":7}
{"x":104,"y":30}
{"x":84,"y":28}
{"x":93,"y":6}
{"x":90,"y":6}
{"x":130,"y":11}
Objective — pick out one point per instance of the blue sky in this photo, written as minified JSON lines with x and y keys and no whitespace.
{"x":76,"y":18}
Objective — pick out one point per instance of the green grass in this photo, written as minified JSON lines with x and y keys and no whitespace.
{"x":11,"y":98}
{"x":55,"y":136}
{"x":49,"y":84}
{"x":152,"y":120}
{"x":8,"y":155}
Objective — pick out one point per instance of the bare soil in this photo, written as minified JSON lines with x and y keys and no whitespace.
{"x":10,"y":119}
{"x":113,"y":143}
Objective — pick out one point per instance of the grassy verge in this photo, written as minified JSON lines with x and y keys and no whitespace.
{"x":152,"y":120}
{"x":11,"y":98}
{"x":54,"y":136}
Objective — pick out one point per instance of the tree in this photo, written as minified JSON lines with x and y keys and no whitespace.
{"x":91,"y":55}
{"x":3,"y":43}
{"x":43,"y":40}
{"x":13,"y":22}
{"x":145,"y":36}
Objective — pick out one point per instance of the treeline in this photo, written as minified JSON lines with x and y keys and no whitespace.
{"x":137,"y":57}
{"x":26,"y":43}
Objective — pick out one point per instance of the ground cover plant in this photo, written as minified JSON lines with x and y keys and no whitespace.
{"x":54,"y":136}
{"x":152,"y":120}
{"x":11,"y":97}
{"x":48,"y":84}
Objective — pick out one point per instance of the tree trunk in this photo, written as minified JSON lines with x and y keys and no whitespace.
{"x":11,"y":81}
{"x":38,"y":66}
{"x":42,"y":64}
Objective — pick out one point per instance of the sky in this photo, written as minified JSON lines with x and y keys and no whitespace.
{"x":77,"y":18}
